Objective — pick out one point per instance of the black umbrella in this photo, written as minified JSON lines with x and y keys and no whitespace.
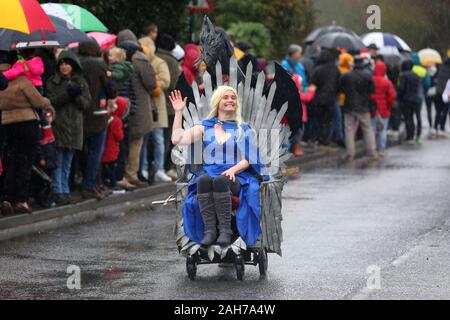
{"x":65,"y":34}
{"x":316,"y":34}
{"x":340,"y":40}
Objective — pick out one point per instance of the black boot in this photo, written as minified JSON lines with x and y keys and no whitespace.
{"x":222,"y":201}
{"x":207,"y":209}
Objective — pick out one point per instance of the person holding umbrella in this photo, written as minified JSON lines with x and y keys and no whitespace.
{"x":326,"y":79}
{"x":358,"y":86}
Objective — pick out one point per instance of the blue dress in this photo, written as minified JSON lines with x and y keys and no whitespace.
{"x":216,"y":160}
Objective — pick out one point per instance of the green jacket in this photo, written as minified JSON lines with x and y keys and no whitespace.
{"x":68,"y":124}
{"x":121,"y":71}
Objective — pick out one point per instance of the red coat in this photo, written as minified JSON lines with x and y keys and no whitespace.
{"x":115,"y":132}
{"x":384,"y":94}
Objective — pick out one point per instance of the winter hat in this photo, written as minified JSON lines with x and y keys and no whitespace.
{"x":90,"y":49}
{"x":178,"y":52}
{"x":345,"y":62}
{"x":126,"y":35}
{"x":243,"y":46}
{"x":373,"y":46}
{"x":130,"y":47}
{"x":165,"y":42}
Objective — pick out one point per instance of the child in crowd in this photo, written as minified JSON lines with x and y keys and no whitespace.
{"x":46,"y":161}
{"x":32,"y":67}
{"x":306,"y":98}
{"x":117,"y":110}
{"x":120,"y":70}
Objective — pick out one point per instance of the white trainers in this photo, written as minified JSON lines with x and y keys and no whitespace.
{"x":145,"y":174}
{"x":161,"y":176}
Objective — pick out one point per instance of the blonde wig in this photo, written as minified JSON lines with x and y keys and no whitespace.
{"x":215,"y":101}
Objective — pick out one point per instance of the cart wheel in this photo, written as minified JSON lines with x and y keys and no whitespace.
{"x":263,"y":262}
{"x":191,"y":267}
{"x":240,"y":268}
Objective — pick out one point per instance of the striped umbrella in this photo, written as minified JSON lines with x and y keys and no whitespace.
{"x":24,"y":16}
{"x":65,"y":34}
{"x":81,"y":18}
{"x":383,"y":39}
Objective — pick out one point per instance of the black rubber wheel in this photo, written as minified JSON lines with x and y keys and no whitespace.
{"x":263,"y":263}
{"x":240,"y":268}
{"x":191,"y":267}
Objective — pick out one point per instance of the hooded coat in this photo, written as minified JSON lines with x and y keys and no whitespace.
{"x":422,"y":73}
{"x":175,"y":71}
{"x":384,"y":95}
{"x":143,"y":83}
{"x":163,"y":79}
{"x":191,"y":57}
{"x":326,"y":78}
{"x":410,"y":84}
{"x":115,"y":131}
{"x":69,"y":123}
{"x":33,"y":69}
{"x":95,"y":70}
{"x":357,"y":85}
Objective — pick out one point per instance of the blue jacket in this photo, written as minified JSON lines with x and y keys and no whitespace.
{"x":248,"y":212}
{"x":296,"y":68}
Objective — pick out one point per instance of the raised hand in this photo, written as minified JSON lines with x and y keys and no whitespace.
{"x":177,"y":101}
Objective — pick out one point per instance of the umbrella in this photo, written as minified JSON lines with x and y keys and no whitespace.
{"x":429,"y":57}
{"x":391,"y":55}
{"x":104,"y":40}
{"x":340,"y":40}
{"x":238,"y":53}
{"x":79,"y":17}
{"x":316,"y":34}
{"x":385,"y":39}
{"x":24,"y":15}
{"x":65,"y":34}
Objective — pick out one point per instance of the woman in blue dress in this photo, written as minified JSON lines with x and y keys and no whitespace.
{"x":231,"y":165}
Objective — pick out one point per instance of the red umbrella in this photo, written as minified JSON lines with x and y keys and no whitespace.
{"x":25,"y":16}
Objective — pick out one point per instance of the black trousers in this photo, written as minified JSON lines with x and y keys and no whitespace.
{"x":441,"y":112}
{"x":325,"y":116}
{"x":408,"y":111}
{"x":22,"y":141}
{"x":206,"y":184}
{"x":109,"y":172}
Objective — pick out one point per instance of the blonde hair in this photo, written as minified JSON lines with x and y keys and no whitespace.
{"x":215,"y":101}
{"x":148,"y":45}
{"x":118,"y":53}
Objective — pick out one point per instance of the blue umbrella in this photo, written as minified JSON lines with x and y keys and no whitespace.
{"x":383,"y":39}
{"x":65,"y":34}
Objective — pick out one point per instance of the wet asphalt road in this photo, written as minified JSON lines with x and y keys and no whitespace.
{"x":339,"y":221}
